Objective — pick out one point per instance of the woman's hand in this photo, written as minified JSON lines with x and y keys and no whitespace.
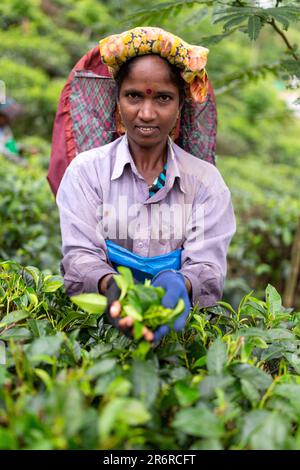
{"x":113,"y":311}
{"x":174,"y":284}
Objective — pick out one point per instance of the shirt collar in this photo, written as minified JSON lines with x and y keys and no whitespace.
{"x":123,"y":157}
{"x":173,"y":171}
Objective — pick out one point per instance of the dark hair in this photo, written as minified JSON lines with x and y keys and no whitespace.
{"x":175,"y":76}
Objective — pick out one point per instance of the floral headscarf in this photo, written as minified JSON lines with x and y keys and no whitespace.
{"x":115,"y":50}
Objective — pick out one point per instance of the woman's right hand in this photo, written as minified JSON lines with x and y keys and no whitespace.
{"x":113,"y":311}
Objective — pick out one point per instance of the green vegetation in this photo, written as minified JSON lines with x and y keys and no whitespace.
{"x":229,"y":382}
{"x":267,"y":208}
{"x":29,"y":230}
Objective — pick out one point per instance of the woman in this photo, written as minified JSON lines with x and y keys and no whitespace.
{"x":142,"y":201}
{"x":8,"y":145}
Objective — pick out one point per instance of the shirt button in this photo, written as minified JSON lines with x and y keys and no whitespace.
{"x":140,"y":244}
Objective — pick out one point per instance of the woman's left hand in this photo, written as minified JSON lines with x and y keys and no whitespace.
{"x":174,"y":284}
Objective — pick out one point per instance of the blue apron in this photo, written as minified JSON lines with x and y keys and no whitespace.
{"x":142,"y":268}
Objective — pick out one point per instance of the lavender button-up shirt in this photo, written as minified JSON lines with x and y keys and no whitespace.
{"x":103,"y":196}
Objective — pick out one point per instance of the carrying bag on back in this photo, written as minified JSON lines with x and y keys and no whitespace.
{"x":86,"y":118}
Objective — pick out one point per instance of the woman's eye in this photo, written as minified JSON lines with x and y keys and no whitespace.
{"x":164,"y":98}
{"x":133,"y":95}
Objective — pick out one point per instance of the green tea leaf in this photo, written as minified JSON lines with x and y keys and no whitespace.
{"x":124,"y":280}
{"x":145,"y":381}
{"x":199,"y":422}
{"x":33,"y":298}
{"x":264,"y":430}
{"x":45,"y":377}
{"x":185,"y":394}
{"x":119,"y":387}
{"x":207,"y":444}
{"x":216,"y":357}
{"x":130,"y":311}
{"x":258,"y":342}
{"x":101,"y":367}
{"x":289,"y":392}
{"x":52,"y":283}
{"x":137,"y":330}
{"x":142,"y":350}
{"x":35,"y":273}
{"x":279,"y":334}
{"x":91,"y":303}
{"x":148,"y":295}
{"x":13,"y":317}
{"x":38,"y":327}
{"x":15,"y":333}
{"x":258,"y":378}
{"x":211,"y":383}
{"x":46,"y":345}
{"x":127,"y":275}
{"x":70,"y":318}
{"x":253,"y":332}
{"x":273,"y":300}
{"x":200,"y":362}
{"x":227,"y":306}
{"x":120,"y":412}
{"x":99,"y":350}
{"x":250,"y":391}
{"x":136,"y":413}
{"x":179,"y":308}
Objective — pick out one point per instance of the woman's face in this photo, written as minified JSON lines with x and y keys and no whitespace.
{"x":149,"y":101}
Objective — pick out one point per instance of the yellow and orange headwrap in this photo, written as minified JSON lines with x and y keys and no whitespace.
{"x":115,"y":50}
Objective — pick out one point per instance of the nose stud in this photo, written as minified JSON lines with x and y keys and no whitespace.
{"x":148,"y":91}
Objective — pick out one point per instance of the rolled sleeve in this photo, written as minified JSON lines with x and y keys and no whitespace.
{"x":85,"y":259}
{"x":203,"y":260}
{"x":75,"y":281}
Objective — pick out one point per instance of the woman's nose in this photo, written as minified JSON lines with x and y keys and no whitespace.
{"x":147,"y":111}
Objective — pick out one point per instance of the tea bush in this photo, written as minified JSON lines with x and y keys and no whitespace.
{"x":71,"y":381}
{"x":29,"y":229}
{"x":267,"y":209}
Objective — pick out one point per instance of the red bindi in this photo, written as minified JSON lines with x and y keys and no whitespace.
{"x":148,"y":91}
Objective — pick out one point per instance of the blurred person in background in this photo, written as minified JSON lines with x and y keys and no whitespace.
{"x":8,"y":145}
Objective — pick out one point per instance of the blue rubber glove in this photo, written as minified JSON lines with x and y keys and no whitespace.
{"x":174,"y":285}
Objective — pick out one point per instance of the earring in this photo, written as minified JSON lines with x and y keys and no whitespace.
{"x":174,"y":134}
{"x":121,"y":129}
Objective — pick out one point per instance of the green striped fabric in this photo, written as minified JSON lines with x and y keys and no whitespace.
{"x":158,"y":183}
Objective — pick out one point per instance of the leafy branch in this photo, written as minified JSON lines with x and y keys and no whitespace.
{"x":231,"y":81}
{"x":162,"y":10}
{"x":235,"y":16}
{"x":257,"y":17}
{"x":285,"y":39}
